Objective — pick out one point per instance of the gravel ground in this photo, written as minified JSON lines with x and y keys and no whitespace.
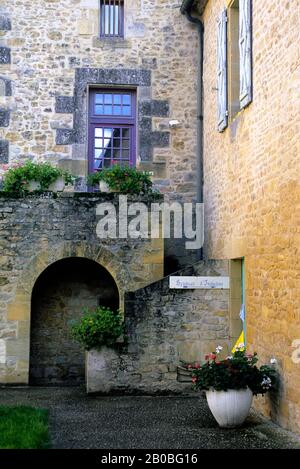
{"x":139,"y":422}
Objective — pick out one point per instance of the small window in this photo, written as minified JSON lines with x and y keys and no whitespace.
{"x":112,"y":128}
{"x":112,"y":18}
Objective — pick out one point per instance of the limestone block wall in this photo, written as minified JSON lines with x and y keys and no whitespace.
{"x":51,"y":52}
{"x":163,"y":327}
{"x":35,"y":232}
{"x":252,"y":191}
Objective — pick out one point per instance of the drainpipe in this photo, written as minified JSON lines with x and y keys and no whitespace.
{"x":185,"y":9}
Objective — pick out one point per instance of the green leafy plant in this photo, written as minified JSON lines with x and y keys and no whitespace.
{"x":123,"y":179}
{"x":96,"y":328}
{"x":238,"y":371}
{"x":16,"y":179}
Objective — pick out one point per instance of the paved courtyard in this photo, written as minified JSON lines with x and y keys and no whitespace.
{"x":79,"y":421}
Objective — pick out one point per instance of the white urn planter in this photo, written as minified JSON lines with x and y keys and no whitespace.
{"x":230,"y":408}
{"x":33,"y":186}
{"x":58,"y":185}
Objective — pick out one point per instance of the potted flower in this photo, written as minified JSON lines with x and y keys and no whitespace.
{"x":98,"y":332}
{"x":27,"y":177}
{"x":231,"y":383}
{"x":125,"y":179}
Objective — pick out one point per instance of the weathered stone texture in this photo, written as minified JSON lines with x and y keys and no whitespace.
{"x":252,"y":190}
{"x":35,"y":232}
{"x":55,"y":46}
{"x":163,"y":327}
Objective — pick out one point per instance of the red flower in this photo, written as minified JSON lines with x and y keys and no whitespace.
{"x":213,"y":356}
{"x":197,"y":365}
{"x":194,"y":379}
{"x":207,"y":357}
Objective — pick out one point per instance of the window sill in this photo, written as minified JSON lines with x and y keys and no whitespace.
{"x":111,"y":43}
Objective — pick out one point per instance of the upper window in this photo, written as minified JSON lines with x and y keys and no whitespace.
{"x":112,"y":128}
{"x":112,"y":18}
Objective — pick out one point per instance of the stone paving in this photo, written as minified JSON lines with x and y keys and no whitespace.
{"x":139,"y":422}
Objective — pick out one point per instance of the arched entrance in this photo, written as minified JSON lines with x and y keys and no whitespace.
{"x":59,"y":296}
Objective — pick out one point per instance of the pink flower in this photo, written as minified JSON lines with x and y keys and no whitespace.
{"x":194,"y":379}
{"x":207,"y":357}
{"x":197,"y":365}
{"x":213,"y":356}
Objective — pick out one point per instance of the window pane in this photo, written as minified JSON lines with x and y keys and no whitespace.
{"x":106,"y":31}
{"x":107,"y":99}
{"x":111,"y":19}
{"x":126,"y":110}
{"x":117,"y":133}
{"x":125,"y":154}
{"x":108,"y":133}
{"x":99,"y":109}
{"x":117,"y":99}
{"x":107,"y":110}
{"x":125,"y":143}
{"x":99,"y":99}
{"x":117,"y":110}
{"x":116,"y":20}
{"x":107,"y":163}
{"x":98,"y":142}
{"x":99,"y":132}
{"x":107,"y":153}
{"x":116,"y":153}
{"x":107,"y":142}
{"x":117,"y":142}
{"x":99,"y":152}
{"x":125,"y":133}
{"x":126,"y":99}
{"x":98,"y":164}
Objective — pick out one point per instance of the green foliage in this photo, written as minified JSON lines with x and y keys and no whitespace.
{"x":238,"y":371}
{"x":123,"y":179}
{"x":23,"y":428}
{"x":96,"y":328}
{"x":17,"y":179}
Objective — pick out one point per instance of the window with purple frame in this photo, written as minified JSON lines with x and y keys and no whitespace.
{"x":111,"y":18}
{"x":112,"y":127}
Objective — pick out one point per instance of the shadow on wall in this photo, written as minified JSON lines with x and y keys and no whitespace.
{"x":59,"y":296}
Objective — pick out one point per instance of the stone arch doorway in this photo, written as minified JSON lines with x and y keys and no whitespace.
{"x":59,"y":296}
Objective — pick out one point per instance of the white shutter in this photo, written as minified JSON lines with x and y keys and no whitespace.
{"x":245,"y":43}
{"x":222,"y":72}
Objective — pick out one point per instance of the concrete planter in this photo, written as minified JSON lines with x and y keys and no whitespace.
{"x":104,"y":187}
{"x":58,"y":185}
{"x":230,"y":408}
{"x":33,"y":186}
{"x":98,"y":369}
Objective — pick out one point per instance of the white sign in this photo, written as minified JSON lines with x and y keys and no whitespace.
{"x":199,"y":282}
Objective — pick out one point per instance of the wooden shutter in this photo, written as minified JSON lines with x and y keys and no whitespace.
{"x":222,"y":72}
{"x":245,"y":43}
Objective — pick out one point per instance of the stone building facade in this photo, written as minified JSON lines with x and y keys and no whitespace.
{"x":51,"y":55}
{"x":251,"y":186}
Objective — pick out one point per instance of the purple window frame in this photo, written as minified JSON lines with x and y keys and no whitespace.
{"x":110,"y":121}
{"x":111,"y":10}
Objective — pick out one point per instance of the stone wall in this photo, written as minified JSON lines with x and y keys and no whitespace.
{"x":251,"y":190}
{"x":36,"y":232}
{"x":163,"y":328}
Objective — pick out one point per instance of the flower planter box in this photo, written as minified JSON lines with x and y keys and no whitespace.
{"x":33,"y":186}
{"x":58,"y":185}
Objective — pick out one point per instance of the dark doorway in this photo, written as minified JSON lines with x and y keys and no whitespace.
{"x":59,"y":296}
